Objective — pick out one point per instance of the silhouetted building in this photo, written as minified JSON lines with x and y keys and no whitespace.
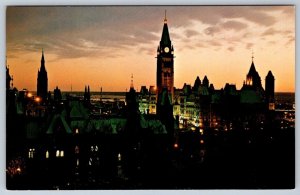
{"x":165,"y":111}
{"x":57,"y":94}
{"x":253,"y":78}
{"x":205,"y":81}
{"x":42,"y":80}
{"x":87,"y":94}
{"x":165,"y":63}
{"x":270,"y":89}
{"x":197,"y":84}
{"x":8,"y":78}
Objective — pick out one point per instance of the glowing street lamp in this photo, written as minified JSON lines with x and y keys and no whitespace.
{"x":176,"y":145}
{"x":29,"y":95}
{"x":37,"y":99}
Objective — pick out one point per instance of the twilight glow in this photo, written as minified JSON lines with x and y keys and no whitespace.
{"x":102,"y":46}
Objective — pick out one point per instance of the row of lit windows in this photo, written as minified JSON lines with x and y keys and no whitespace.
{"x":58,"y":153}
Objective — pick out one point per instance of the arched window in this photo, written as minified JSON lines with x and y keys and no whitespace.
{"x":31,"y":152}
{"x":62,"y":153}
{"x":57,"y":153}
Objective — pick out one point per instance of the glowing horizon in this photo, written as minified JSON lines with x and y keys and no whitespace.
{"x":103,"y":46}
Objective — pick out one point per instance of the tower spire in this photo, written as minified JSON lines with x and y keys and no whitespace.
{"x":131,"y":83}
{"x":43,"y":61}
{"x":165,"y":37}
{"x":7,"y":66}
{"x":252,"y":56}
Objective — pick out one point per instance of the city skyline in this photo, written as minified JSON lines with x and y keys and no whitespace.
{"x":103,"y":46}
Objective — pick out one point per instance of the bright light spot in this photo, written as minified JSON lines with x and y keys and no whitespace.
{"x":119,"y":157}
{"x":176,"y":145}
{"x":37,"y":99}
{"x":201,"y":141}
{"x":29,"y":95}
{"x":57,"y":153}
{"x":77,"y":131}
{"x":19,"y":169}
{"x":201,"y":131}
{"x":47,"y":154}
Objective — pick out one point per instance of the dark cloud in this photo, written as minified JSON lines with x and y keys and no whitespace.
{"x":228,"y":25}
{"x":291,"y":40}
{"x":214,"y":43}
{"x":72,"y":32}
{"x":249,"y":46}
{"x":270,"y":31}
{"x":233,"y":25}
{"x":230,"y":49}
{"x":190,"y":33}
{"x":148,"y":50}
{"x":212,"y":30}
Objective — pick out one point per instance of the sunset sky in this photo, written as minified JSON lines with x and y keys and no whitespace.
{"x":103,"y":46}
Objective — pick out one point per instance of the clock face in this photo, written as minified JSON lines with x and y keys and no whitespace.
{"x":167,"y":49}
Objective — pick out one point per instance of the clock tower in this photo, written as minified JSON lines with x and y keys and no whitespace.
{"x":165,"y":64}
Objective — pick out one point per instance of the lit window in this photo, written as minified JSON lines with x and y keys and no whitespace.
{"x":62,"y":154}
{"x":57,"y":153}
{"x":31,"y":152}
{"x":77,"y":131}
{"x":77,"y":162}
{"x":119,"y":157}
{"x":47,"y":154}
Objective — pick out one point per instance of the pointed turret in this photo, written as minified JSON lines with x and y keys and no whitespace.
{"x":205,"y":81}
{"x":42,"y":80}
{"x":197,"y":84}
{"x":253,"y":78}
{"x":270,"y":87}
{"x":8,"y":77}
{"x":43,"y":68}
{"x":131,"y":82}
{"x":165,"y":38}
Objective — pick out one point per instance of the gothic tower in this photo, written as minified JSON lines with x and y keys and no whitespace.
{"x":165,"y":63}
{"x":270,"y":89}
{"x":42,"y":80}
{"x":8,"y":78}
{"x":253,"y":78}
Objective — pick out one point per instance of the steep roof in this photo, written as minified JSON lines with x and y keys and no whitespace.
{"x":270,"y":75}
{"x":78,"y":110}
{"x":58,"y":118}
{"x":165,"y":37}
